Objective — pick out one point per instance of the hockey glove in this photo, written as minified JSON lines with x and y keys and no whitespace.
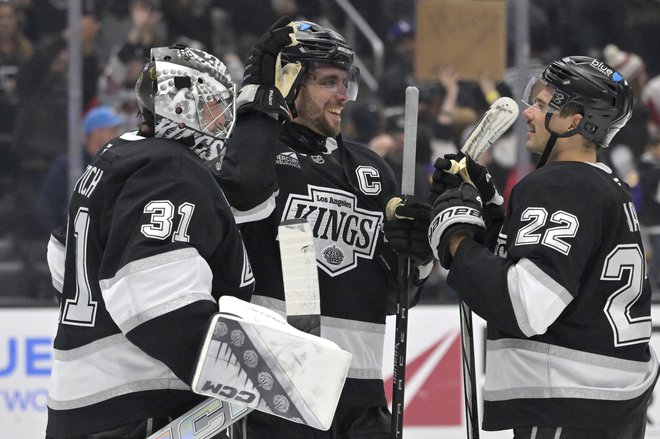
{"x":470,"y":172}
{"x":406,"y":229}
{"x":475,"y":174}
{"x":456,"y":210}
{"x":265,"y":82}
{"x":442,"y":178}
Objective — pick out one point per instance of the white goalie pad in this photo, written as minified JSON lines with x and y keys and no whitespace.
{"x":252,"y":356}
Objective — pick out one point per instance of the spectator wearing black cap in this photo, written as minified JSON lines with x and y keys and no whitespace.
{"x":365,"y":121}
{"x":400,"y":70}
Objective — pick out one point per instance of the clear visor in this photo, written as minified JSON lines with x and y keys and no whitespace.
{"x":337,"y":80}
{"x":540,"y":95}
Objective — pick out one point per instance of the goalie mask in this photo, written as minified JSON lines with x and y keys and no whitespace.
{"x":317,"y":46}
{"x":584,"y":85}
{"x":187,"y":94}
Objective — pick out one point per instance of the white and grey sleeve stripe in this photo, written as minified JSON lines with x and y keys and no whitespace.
{"x":537,"y":299}
{"x":151,"y":287}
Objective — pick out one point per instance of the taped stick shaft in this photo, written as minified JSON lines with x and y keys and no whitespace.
{"x":409,"y":141}
{"x":300,"y":275}
{"x":401,"y":329}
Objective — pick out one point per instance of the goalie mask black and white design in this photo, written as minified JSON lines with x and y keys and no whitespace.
{"x":187,"y":94}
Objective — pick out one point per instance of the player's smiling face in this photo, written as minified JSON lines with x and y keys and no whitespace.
{"x":321,"y":100}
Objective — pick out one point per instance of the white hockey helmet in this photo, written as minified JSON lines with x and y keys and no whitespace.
{"x":187,"y":94}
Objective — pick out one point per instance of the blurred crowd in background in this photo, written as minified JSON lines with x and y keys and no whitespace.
{"x":116,"y":36}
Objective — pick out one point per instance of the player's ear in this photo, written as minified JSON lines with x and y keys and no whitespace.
{"x":575,"y":121}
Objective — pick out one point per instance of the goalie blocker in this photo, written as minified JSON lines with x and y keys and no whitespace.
{"x":252,"y":357}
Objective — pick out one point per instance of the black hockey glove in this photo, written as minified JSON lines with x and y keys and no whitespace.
{"x":470,"y":171}
{"x":447,"y":168}
{"x":265,"y":83}
{"x":406,"y":228}
{"x":455,"y":210}
{"x":442,"y":178}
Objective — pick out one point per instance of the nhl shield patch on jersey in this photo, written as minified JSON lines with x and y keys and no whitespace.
{"x":342,"y":231}
{"x":251,"y":356}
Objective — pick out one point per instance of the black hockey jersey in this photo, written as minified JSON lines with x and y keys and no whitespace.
{"x":151,"y":245}
{"x":567,"y":303}
{"x":342,"y":192}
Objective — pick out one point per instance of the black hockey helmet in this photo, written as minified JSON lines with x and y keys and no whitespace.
{"x":318,"y":45}
{"x":605,"y":97}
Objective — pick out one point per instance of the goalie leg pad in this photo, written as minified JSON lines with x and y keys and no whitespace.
{"x":252,"y":356}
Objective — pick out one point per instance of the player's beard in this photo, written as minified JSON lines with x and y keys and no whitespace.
{"x":316,"y":115}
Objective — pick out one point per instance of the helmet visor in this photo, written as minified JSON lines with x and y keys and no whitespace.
{"x":543,"y":96}
{"x":336,"y":79}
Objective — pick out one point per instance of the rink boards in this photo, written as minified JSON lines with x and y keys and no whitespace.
{"x":434,"y":398}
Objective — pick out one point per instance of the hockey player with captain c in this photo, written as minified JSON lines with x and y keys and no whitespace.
{"x":286,"y":159}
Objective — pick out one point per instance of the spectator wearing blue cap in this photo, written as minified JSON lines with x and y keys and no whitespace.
{"x":100,"y":125}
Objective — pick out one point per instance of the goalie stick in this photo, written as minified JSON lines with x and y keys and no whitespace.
{"x":495,"y":121}
{"x":300,"y":275}
{"x":401,"y":329}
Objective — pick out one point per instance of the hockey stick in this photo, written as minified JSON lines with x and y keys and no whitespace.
{"x":300,"y":275}
{"x":497,"y":119}
{"x":401,"y":330}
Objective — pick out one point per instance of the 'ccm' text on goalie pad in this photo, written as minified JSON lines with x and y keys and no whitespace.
{"x":251,"y":356}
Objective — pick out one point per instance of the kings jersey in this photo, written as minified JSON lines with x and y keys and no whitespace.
{"x":342,"y":190}
{"x":567,"y":302}
{"x":150,"y":246}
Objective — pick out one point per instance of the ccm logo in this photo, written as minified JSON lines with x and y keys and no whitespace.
{"x":229,"y":392}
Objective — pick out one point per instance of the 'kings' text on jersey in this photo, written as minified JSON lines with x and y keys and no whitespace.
{"x":342,"y":231}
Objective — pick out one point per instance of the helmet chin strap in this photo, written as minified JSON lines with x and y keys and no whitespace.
{"x":551,"y":141}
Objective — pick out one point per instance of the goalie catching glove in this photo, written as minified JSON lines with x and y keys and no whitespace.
{"x":406,"y":229}
{"x":455,"y":210}
{"x":266,"y":84}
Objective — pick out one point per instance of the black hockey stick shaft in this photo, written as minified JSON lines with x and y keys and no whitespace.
{"x":467,"y":364}
{"x":497,"y":119}
{"x":469,"y":373}
{"x":401,"y":328}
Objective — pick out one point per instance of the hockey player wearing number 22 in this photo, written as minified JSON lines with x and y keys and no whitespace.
{"x":286,"y":159}
{"x":150,"y":247}
{"x":565,"y":292}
